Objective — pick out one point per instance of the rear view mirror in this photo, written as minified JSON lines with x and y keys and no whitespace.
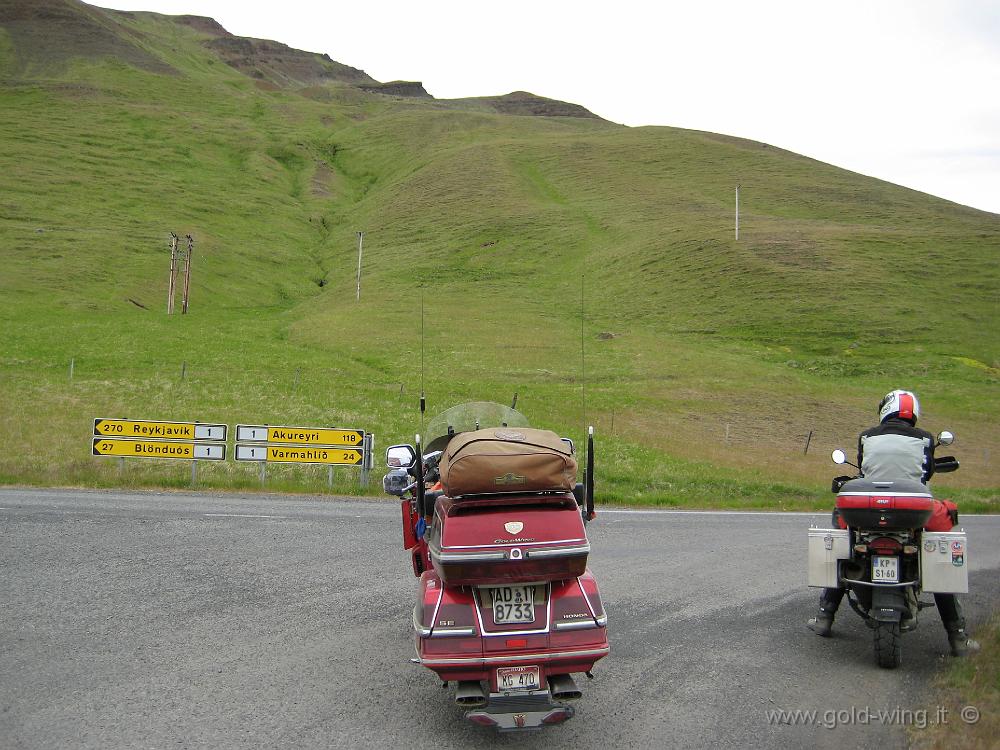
{"x":945,"y":438}
{"x":397,"y":482}
{"x":838,"y":456}
{"x":400,"y":456}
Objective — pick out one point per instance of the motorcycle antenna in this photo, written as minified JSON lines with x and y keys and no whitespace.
{"x":583,"y":350}
{"x":419,"y":466}
{"x":588,"y":488}
{"x":423,"y":399}
{"x":588,"y":472}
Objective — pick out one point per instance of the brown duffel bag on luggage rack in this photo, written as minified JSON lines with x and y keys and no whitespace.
{"x":507,"y":459}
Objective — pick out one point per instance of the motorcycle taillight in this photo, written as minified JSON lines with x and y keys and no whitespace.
{"x":885,"y":546}
{"x":558,"y":715}
{"x":482,"y":719}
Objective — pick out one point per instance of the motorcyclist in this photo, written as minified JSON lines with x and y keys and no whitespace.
{"x":892,"y":450}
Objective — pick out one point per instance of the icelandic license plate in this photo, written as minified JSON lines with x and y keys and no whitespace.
{"x":517,"y":678}
{"x":511,"y":603}
{"x":885,"y":569}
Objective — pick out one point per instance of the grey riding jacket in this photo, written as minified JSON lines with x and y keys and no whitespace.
{"x":896,"y":450}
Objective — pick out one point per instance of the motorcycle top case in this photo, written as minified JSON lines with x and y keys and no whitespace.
{"x":505,"y":459}
{"x":893,"y":506}
{"x":507,"y":540}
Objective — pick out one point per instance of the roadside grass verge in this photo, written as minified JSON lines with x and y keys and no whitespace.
{"x":686,"y":424}
{"x":587,"y":267}
{"x":970,"y":689}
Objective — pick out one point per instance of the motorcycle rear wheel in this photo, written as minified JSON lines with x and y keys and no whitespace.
{"x":888,"y":642}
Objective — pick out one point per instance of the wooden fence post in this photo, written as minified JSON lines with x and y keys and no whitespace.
{"x":187,"y":275}
{"x":172,"y":284}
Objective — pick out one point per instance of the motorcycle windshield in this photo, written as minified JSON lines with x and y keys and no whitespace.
{"x":475,"y":415}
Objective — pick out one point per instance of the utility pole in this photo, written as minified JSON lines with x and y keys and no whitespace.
{"x":361,"y":239}
{"x":187,"y":275}
{"x":737,"y":213}
{"x":172,"y":285}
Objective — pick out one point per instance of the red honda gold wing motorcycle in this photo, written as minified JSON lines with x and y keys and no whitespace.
{"x":495,"y":522}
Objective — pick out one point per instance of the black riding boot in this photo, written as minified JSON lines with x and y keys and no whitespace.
{"x":829,"y":601}
{"x":954,"y":623}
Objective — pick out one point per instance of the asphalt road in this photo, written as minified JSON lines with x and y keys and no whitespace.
{"x":202,"y":621}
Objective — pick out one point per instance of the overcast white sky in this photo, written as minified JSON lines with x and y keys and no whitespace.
{"x":904,"y":90}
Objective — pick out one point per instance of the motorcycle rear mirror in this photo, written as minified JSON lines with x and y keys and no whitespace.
{"x":838,"y":456}
{"x":400,"y":456}
{"x":945,"y":438}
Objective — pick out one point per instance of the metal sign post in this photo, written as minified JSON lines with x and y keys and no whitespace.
{"x":361,"y":239}
{"x":737,"y":213}
{"x":366,"y":463}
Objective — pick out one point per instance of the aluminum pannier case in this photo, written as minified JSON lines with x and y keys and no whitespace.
{"x":826,"y":548}
{"x":944,"y":562}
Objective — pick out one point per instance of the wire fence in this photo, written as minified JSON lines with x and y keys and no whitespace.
{"x":388,"y":406}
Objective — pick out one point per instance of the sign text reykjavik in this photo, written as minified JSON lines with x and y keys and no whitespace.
{"x":128,"y":438}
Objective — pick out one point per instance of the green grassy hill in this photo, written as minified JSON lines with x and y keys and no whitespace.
{"x":546,"y":251}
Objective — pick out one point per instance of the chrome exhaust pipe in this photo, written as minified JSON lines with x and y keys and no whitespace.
{"x":563,"y":687}
{"x":470,"y":694}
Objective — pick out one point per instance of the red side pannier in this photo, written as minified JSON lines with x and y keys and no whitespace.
{"x":944,"y":516}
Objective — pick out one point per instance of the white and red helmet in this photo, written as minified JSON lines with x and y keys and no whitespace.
{"x":902,"y":404}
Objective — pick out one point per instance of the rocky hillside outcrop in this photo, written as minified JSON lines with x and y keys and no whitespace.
{"x":398,"y":88}
{"x":282,"y":65}
{"x":46,"y":34}
{"x":525,"y":103}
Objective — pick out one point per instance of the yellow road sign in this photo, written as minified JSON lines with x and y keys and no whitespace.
{"x":300,"y":454}
{"x":132,"y":428}
{"x":259,"y":433}
{"x":158,"y":449}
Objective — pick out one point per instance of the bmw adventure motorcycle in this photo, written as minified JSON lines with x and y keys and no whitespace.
{"x":494,"y":520}
{"x":883,"y":551}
